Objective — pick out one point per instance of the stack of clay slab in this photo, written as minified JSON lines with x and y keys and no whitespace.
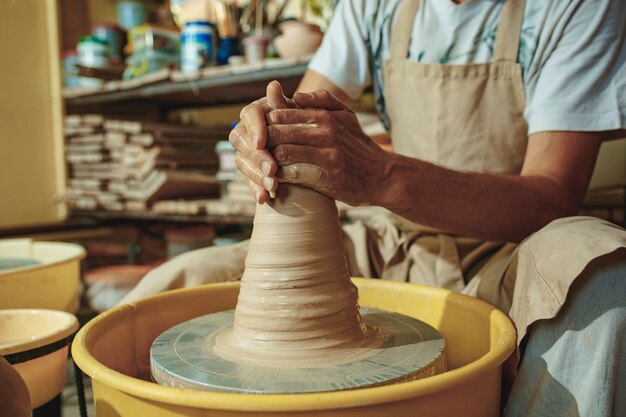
{"x":118,"y":164}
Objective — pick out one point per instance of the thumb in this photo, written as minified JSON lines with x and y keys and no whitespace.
{"x":276,"y":98}
{"x":320,"y":99}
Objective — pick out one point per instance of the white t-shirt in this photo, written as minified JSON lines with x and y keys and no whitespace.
{"x":573,"y":53}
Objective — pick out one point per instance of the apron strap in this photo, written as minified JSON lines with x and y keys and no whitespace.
{"x":509,"y":31}
{"x":401,"y":35}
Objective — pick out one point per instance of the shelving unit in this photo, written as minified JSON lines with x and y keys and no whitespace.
{"x":218,"y":220}
{"x":174,"y":91}
{"x":170,"y":90}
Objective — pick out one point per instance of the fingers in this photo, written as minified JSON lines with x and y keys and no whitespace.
{"x":256,"y":164}
{"x":253,"y":118}
{"x":250,"y":167}
{"x":298,"y":116}
{"x":304,"y":165}
{"x":260,"y":158}
{"x":240,"y":139}
{"x":291,"y":154}
{"x":260,"y":194}
{"x":321,"y":99}
{"x":309,"y":135}
{"x":250,"y":138}
{"x":275,"y":97}
{"x":305,"y":174}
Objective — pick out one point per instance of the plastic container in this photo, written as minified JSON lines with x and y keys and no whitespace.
{"x":255,"y":48}
{"x":147,"y":61}
{"x":198,"y":42}
{"x":53,"y":283}
{"x":154,"y":38}
{"x":112,"y":35}
{"x":131,"y":14}
{"x":114,"y":350}
{"x":36,"y":343}
{"x":227,"y":156}
{"x":92,"y":53}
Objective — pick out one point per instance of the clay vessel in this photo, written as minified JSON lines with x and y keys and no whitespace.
{"x":297,"y":303}
{"x":297,"y":39}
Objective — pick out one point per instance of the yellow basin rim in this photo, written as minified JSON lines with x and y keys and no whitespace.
{"x":495,"y":357}
{"x":74,"y":253}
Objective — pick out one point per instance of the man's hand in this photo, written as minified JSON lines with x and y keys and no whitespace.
{"x":320,"y":144}
{"x":314,"y":140}
{"x":249,"y":138}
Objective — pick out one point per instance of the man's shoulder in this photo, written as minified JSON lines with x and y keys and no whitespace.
{"x":372,"y":12}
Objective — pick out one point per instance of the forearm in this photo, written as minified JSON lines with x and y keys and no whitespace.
{"x":313,"y":81}
{"x":484,"y":206}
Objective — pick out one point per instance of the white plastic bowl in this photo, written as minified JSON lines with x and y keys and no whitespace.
{"x":38,"y":340}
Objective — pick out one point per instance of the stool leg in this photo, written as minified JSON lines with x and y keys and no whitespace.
{"x":50,"y":409}
{"x":80,"y":390}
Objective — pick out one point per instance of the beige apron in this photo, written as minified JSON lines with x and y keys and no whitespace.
{"x":470,"y":117}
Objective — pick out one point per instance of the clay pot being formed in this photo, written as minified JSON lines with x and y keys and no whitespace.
{"x":297,"y":39}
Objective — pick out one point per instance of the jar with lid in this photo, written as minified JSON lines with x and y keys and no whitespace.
{"x":198,"y":45}
{"x":92,"y":53}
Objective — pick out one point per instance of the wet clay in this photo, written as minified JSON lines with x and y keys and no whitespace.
{"x":297,"y":327}
{"x":297,"y":306}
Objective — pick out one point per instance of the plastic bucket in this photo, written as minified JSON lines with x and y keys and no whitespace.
{"x":114,"y":350}
{"x":54,"y":283}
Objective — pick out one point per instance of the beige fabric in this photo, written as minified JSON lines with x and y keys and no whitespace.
{"x":200,"y":266}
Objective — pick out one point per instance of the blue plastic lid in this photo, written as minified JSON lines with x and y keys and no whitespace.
{"x":199,"y":23}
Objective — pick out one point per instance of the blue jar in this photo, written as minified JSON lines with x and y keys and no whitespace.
{"x":131,"y":14}
{"x":197,"y":46}
{"x":228,"y":47}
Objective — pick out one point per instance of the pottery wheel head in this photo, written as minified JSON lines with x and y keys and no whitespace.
{"x":184,"y":356}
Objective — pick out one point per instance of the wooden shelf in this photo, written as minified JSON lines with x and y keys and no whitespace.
{"x":172,"y":91}
{"x":149,"y":216}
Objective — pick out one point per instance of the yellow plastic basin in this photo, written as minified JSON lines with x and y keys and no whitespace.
{"x":52,"y":284}
{"x":46,"y":333}
{"x":114,"y":350}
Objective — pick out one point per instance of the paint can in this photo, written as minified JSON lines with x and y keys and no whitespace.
{"x":198,"y":42}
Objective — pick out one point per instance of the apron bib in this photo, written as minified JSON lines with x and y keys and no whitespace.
{"x":464,"y":117}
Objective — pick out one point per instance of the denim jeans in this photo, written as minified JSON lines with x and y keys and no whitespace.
{"x":575,"y":364}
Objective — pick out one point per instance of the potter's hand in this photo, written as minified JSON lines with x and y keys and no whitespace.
{"x":249,"y":138}
{"x":322,"y":145}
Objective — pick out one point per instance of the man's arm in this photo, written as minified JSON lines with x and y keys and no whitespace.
{"x":552,"y":184}
{"x":313,"y":81}
{"x":349,"y":167}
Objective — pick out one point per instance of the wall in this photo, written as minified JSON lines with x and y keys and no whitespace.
{"x":31,"y":150}
{"x":611,"y":165}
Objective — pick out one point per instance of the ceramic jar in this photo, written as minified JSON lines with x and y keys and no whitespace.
{"x":255,"y":48}
{"x":297,"y":39}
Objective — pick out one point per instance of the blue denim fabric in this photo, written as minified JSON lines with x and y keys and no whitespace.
{"x":575,"y":364}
